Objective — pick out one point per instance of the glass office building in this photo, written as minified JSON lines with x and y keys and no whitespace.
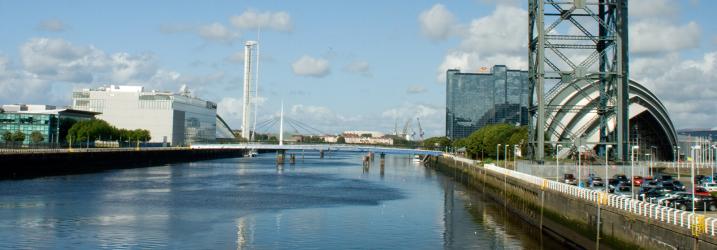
{"x":171,"y":118}
{"x":474,"y":100}
{"x":52,"y":123}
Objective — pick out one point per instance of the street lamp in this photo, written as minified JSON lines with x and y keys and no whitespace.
{"x":652,"y":159}
{"x":605,"y":182}
{"x":712,"y":164}
{"x":632,"y":171}
{"x":505,"y":155}
{"x":515,"y":157}
{"x":676,"y":159}
{"x":580,"y":167}
{"x":557,"y":163}
{"x":692,"y":172}
{"x":497,"y":154}
{"x":649,"y":164}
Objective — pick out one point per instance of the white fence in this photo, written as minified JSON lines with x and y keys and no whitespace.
{"x":695,"y":222}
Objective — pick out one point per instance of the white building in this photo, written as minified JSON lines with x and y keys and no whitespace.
{"x":176,"y":118}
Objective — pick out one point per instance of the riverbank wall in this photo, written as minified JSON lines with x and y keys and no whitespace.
{"x":31,"y":165}
{"x":570,"y":219}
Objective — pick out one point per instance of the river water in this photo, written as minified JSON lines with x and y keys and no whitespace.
{"x":249,"y":203}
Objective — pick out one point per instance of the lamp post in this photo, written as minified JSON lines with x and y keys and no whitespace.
{"x":497,"y":154}
{"x":649,"y":165}
{"x":692,"y":173}
{"x":505,"y":156}
{"x":557,"y":163}
{"x":632,"y":171}
{"x":712,"y":164}
{"x":515,"y":157}
{"x":605,"y":182}
{"x":676,"y":159}
{"x":580,"y":167}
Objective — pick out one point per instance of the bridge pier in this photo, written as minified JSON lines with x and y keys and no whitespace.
{"x":382,"y":160}
{"x":280,"y":155}
{"x":321,"y":154}
{"x":292,"y":159}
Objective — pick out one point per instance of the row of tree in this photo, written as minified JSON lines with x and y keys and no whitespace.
{"x":92,"y":130}
{"x":483,"y":142}
{"x":18,"y":137}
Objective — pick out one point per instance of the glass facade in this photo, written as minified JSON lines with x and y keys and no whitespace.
{"x":474,"y":100}
{"x":48,"y":124}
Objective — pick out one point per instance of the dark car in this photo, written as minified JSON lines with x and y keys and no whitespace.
{"x":679,"y":185}
{"x":702,"y":202}
{"x":620,"y":177}
{"x":570,"y":179}
{"x":668,"y":186}
{"x":698,"y":178}
{"x":665,"y":178}
{"x":651,"y":195}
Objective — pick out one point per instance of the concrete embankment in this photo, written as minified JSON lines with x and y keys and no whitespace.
{"x":31,"y":165}
{"x":570,"y":219}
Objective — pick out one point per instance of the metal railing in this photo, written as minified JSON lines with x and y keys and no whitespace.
{"x":697,"y":223}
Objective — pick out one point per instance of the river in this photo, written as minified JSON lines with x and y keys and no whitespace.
{"x":249,"y":203}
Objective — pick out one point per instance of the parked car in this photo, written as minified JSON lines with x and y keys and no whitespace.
{"x":679,"y":185}
{"x":668,"y":199}
{"x":711,"y":187}
{"x":570,"y":179}
{"x":698,"y":178}
{"x":668,"y":186}
{"x":620,"y":177}
{"x":637,"y":180}
{"x":651,"y":195}
{"x":701,"y":191}
{"x":702,"y":202}
{"x":665,"y":178}
{"x":595,"y":181}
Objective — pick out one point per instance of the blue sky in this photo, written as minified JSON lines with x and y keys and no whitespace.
{"x":366,"y":62}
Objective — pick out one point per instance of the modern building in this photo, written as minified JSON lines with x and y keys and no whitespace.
{"x":651,"y":128}
{"x":474,"y":100}
{"x":50,"y":121}
{"x":173,"y":118}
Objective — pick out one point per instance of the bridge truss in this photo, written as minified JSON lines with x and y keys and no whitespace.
{"x":576,"y":44}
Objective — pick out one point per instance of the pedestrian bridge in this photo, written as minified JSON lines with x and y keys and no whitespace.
{"x":321,"y":147}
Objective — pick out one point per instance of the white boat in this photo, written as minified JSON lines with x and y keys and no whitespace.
{"x":251,"y":153}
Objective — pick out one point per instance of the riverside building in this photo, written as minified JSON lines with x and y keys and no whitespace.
{"x":474,"y":100}
{"x":51,"y":122}
{"x":176,"y":119}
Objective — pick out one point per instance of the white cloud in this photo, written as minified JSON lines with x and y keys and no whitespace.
{"x":652,"y":8}
{"x":437,"y":23}
{"x":655,"y":36}
{"x":309,"y":66}
{"x":217,"y":32}
{"x":52,"y":25}
{"x":686,"y":87}
{"x":499,"y":38}
{"x":359,"y":67}
{"x":251,"y":19}
{"x":237,"y":58}
{"x":415,"y":89}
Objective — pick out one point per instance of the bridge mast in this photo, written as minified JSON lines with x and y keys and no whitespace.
{"x":560,"y":60}
{"x":246,"y":125}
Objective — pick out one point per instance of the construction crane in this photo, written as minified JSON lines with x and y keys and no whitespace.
{"x":405,"y":130}
{"x":420,"y":129}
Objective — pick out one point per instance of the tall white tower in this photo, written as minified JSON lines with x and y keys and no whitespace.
{"x":246,"y":115}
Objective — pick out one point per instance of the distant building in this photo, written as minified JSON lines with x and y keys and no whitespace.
{"x":176,"y":118}
{"x":710,"y":134}
{"x":474,"y":100}
{"x":50,"y":121}
{"x":366,"y":137}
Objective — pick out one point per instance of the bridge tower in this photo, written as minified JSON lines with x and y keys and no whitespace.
{"x":574,"y":44}
{"x":247,"y":97}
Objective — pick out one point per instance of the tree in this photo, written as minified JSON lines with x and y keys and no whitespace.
{"x":18,"y":136}
{"x":437,"y":142}
{"x":341,"y":140}
{"x":7,"y":136}
{"x":36,"y":137}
